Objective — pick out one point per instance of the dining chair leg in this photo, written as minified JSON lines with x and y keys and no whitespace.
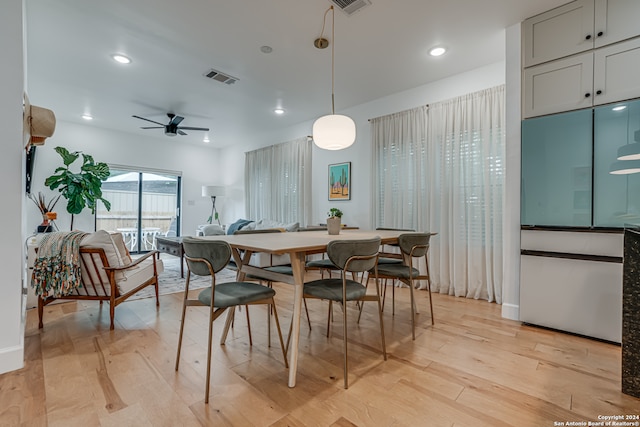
{"x":282,"y":346}
{"x":413,"y":311}
{"x":249,"y":325}
{"x":429,"y":289}
{"x":304,"y":301}
{"x":393,"y":297}
{"x":329,"y":317}
{"x":210,"y":341}
{"x":306,"y":310}
{"x":344,"y":333}
{"x":384,"y":345}
{"x":184,"y":311}
{"x":366,"y":286}
{"x":269,"y":313}
{"x":384,"y":293}
{"x":228,"y":323}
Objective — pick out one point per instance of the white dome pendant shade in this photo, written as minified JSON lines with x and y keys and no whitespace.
{"x":334,"y":132}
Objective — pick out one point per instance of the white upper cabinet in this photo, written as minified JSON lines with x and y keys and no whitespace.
{"x":615,"y":72}
{"x":582,"y":54}
{"x":579,"y":26}
{"x":616,"y":20}
{"x":597,"y":77}
{"x":561,"y":85}
{"x":559,"y":32}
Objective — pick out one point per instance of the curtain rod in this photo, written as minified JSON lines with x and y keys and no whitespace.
{"x":373,"y":118}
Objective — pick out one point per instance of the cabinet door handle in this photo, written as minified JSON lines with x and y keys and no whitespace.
{"x":588,"y":37}
{"x":599,"y":92}
{"x":600,"y":33}
{"x":586,"y":95}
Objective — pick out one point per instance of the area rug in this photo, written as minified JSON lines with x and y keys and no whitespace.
{"x":169,"y":281}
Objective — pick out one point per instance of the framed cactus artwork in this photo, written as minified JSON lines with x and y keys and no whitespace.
{"x":340,"y":181}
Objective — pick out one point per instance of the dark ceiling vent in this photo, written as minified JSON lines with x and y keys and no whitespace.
{"x":220,"y":77}
{"x":350,"y":6}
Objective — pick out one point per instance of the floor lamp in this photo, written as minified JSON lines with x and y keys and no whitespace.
{"x":213,"y":191}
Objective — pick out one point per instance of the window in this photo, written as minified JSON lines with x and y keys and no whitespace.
{"x":144,"y":204}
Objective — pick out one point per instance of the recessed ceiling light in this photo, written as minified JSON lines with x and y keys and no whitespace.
{"x":437,"y":51}
{"x":266,"y":49}
{"x":279,"y":111}
{"x":206,"y":139}
{"x":87,"y":117}
{"x":121,"y":58}
{"x":619,"y":108}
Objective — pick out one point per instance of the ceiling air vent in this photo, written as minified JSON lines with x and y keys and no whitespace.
{"x":350,"y":6}
{"x":220,"y":77}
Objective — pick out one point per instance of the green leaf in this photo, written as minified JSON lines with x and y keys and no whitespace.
{"x":67,"y":157}
{"x":82,"y":189}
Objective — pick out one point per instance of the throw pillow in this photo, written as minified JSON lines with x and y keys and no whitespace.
{"x":123,"y":252}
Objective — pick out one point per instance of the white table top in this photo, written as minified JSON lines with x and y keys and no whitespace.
{"x":304,"y":241}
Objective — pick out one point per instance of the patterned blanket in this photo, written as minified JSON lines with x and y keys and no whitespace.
{"x":57,"y":269}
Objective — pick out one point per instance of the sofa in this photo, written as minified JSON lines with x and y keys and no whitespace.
{"x":262,"y":259}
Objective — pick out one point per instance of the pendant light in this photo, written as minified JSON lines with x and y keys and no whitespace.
{"x":333,"y":131}
{"x":630,"y":151}
{"x":624,"y":167}
{"x":628,"y":156}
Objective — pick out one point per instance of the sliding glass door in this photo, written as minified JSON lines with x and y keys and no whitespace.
{"x":144,"y":205}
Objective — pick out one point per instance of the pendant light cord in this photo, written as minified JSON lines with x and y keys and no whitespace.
{"x":333,"y":44}
{"x":333,"y":38}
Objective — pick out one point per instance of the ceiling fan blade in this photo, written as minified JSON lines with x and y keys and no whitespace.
{"x":152,"y":127}
{"x":142,"y":118}
{"x":176,"y":120}
{"x":181,"y":133}
{"x":191,"y":128}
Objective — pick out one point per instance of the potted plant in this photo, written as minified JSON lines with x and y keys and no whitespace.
{"x":81,"y":189}
{"x":46,"y":209}
{"x":334,"y":220}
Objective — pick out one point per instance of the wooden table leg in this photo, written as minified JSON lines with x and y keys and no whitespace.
{"x":297,"y":264}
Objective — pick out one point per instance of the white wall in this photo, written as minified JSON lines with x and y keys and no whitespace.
{"x":511,"y":224}
{"x":357,"y":211}
{"x":198,"y":166}
{"x":12,"y":174}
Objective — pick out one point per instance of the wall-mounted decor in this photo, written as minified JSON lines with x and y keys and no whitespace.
{"x":340,"y":181}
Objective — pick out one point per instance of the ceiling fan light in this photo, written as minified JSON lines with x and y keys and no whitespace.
{"x":334,"y":132}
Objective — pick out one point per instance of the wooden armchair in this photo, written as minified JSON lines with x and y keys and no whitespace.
{"x":109,"y":274}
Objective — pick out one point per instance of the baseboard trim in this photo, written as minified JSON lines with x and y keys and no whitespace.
{"x":11,"y":359}
{"x":511,"y":311}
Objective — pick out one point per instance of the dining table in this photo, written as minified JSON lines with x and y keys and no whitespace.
{"x":297,"y":245}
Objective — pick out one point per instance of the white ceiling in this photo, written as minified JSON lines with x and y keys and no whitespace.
{"x":380,"y":50}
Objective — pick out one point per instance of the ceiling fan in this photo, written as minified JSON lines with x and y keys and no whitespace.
{"x":171,"y":128}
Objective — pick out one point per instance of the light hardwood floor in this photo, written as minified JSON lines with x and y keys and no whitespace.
{"x":473,"y":368}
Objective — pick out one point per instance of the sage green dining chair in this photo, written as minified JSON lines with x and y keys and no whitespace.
{"x":206,"y":258}
{"x":412,"y":246}
{"x":390,"y":258}
{"x":350,"y":256}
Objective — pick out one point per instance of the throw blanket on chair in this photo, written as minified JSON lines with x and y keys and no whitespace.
{"x":57,"y":269}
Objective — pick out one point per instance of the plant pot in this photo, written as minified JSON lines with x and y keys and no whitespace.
{"x":334,"y":225}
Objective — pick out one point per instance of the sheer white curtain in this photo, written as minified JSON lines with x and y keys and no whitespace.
{"x":278,"y":182}
{"x":441,"y":169}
